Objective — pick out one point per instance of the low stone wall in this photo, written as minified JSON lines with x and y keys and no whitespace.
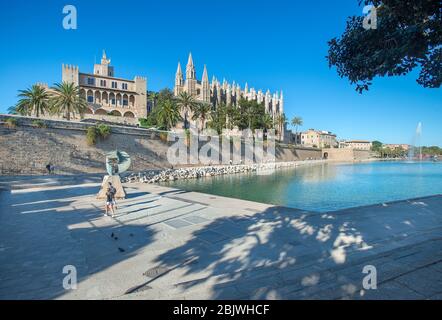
{"x":26,"y":149}
{"x":286,"y":153}
{"x":345,"y":154}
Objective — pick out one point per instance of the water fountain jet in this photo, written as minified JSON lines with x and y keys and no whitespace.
{"x":416,"y":144}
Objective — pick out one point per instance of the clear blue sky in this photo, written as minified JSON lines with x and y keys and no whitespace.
{"x":270,"y":44}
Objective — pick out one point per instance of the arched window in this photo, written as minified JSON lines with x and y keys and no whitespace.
{"x":105,"y":98}
{"x":112,"y":99}
{"x":125,"y":100}
{"x":90,"y":96}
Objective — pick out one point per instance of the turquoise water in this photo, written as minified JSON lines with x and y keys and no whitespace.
{"x":327,"y":187}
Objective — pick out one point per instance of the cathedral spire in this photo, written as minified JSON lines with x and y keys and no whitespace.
{"x":190,"y":61}
{"x":205,"y":75}
{"x":205,"y":86}
{"x":179,"y":80}
{"x":190,"y":68}
{"x":178,"y":70}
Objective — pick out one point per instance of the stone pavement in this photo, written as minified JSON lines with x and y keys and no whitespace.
{"x":171,"y":244}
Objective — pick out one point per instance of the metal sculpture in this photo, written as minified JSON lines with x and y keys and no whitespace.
{"x":117,"y":162}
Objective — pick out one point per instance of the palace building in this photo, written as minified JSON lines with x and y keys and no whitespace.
{"x":216,"y":93}
{"x":317,"y":139}
{"x":107,"y":94}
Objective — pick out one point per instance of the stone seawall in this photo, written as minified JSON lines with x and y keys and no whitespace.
{"x":154,"y":176}
{"x":27,"y":149}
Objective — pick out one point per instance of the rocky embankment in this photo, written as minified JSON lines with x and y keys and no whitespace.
{"x":155,"y":176}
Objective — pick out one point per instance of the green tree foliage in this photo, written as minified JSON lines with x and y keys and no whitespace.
{"x":232,"y":117}
{"x":149,"y":122}
{"x":280,"y":121}
{"x":376,"y":146}
{"x":267,"y":121}
{"x":13,"y":110}
{"x":297,"y":122}
{"x":93,"y":133}
{"x":165,"y":95}
{"x":164,"y":113}
{"x":104,"y":130}
{"x":393,"y":152}
{"x":33,"y":101}
{"x":218,"y":118}
{"x":251,"y":114}
{"x":186,"y":103}
{"x":152,"y":96}
{"x":408,"y":35}
{"x":67,"y":101}
{"x":432,"y":151}
{"x":202,"y":112}
{"x":168,"y":114}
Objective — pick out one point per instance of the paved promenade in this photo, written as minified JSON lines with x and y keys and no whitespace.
{"x":171,"y":244}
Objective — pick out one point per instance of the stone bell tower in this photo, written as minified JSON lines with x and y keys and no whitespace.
{"x":104,"y":68}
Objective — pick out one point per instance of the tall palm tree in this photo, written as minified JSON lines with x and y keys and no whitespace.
{"x":297,"y":122}
{"x":168,"y":114}
{"x":248,"y":114}
{"x":186,"y":103}
{"x":218,"y":118}
{"x":281,"y":120}
{"x":15,"y":111}
{"x":66,"y":100}
{"x":267,"y":121}
{"x":153,"y":97}
{"x":232,"y":114}
{"x":201,"y":111}
{"x":34,"y":100}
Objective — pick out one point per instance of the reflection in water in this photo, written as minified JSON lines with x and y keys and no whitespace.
{"x":327,"y":187}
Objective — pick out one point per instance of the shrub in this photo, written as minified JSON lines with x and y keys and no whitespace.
{"x":148,"y":122}
{"x":144,"y":122}
{"x":11,"y":122}
{"x":38,"y":124}
{"x":101,"y":131}
{"x":91,"y":135}
{"x":104,"y":131}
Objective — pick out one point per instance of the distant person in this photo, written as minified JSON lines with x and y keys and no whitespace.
{"x":52,"y":169}
{"x":48,"y":167}
{"x":114,"y":192}
{"x":110,"y":200}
